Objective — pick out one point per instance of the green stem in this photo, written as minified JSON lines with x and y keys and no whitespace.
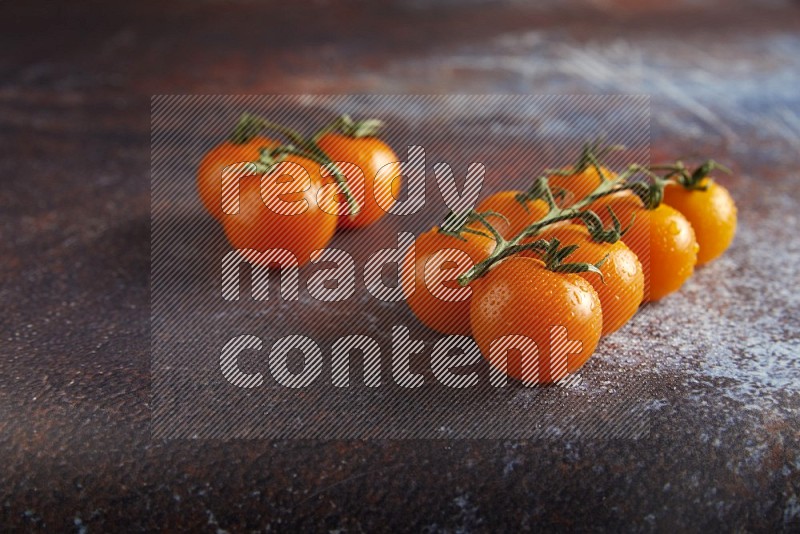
{"x":505,"y":248}
{"x":591,"y":154}
{"x":651,"y":195}
{"x":345,"y":125}
{"x":250,"y":126}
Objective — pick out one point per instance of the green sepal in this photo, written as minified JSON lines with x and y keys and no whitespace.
{"x":345,"y":125}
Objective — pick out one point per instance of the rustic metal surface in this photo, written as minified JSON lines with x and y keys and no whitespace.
{"x":724,"y":445}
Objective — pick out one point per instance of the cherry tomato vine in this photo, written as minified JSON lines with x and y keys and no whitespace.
{"x":603,"y":239}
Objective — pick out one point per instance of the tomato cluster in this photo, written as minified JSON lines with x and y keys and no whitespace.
{"x":536,"y":277}
{"x":293,"y":195}
{"x":544,"y":273}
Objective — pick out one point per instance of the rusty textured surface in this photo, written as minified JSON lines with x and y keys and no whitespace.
{"x":724,"y":447}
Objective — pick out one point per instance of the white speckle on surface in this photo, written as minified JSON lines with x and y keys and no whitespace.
{"x":791,"y":512}
{"x":468,"y":517}
{"x":698,"y":85}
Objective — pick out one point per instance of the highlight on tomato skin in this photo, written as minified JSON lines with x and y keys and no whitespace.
{"x":210,"y":170}
{"x":430,"y":269}
{"x":621,"y":288}
{"x":535,"y":325}
{"x":518,"y":214}
{"x":280,"y":211}
{"x":377,"y":185}
{"x":711,"y":211}
{"x":661,"y":238}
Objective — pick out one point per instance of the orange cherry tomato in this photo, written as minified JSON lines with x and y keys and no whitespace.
{"x":712,"y":213}
{"x":209,"y":172}
{"x":518,"y":302}
{"x":429,"y":277}
{"x":622,"y":287}
{"x":519,"y":215}
{"x":579,"y":184}
{"x":280,"y":211}
{"x":662,"y":239}
{"x":376,"y":190}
